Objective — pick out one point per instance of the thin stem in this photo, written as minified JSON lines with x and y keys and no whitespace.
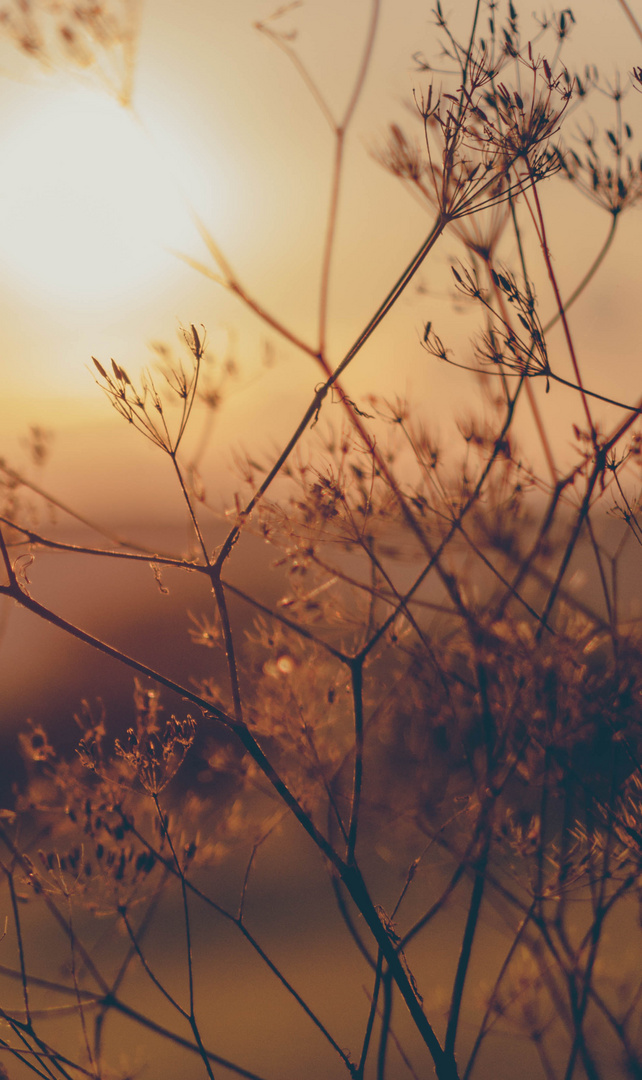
{"x":463,"y":863}
{"x":294,"y":58}
{"x":151,"y":1025}
{"x":79,"y":1000}
{"x":230,"y":653}
{"x":595,"y":933}
{"x":21,"y":950}
{"x":351,"y":926}
{"x":593,"y":394}
{"x":384,"y":1034}
{"x":466,"y":946}
{"x":560,"y":306}
{"x":11,"y":574}
{"x":484,"y":1026}
{"x":190,"y":508}
{"x":592,"y":270}
{"x":56,"y":620}
{"x":231,"y":282}
{"x":371,"y":1017}
{"x":572,"y":541}
{"x":122,"y":911}
{"x":188,"y":937}
{"x":356,"y":672}
{"x":340,"y":131}
{"x":631,"y":17}
{"x":445,"y":1065}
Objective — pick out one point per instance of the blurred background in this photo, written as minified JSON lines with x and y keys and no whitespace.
{"x":107,"y":169}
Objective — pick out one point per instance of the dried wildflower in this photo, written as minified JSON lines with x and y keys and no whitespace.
{"x":514,"y":338}
{"x":204,"y":631}
{"x":614,"y":183}
{"x":144,"y":408}
{"x":153,"y":755}
{"x":39,"y":445}
{"x":100,"y":37}
{"x":401,"y":156}
{"x":485,"y":141}
{"x":35,"y":744}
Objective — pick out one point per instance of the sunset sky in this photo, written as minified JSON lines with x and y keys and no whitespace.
{"x":96,"y":198}
{"x":101,"y":193}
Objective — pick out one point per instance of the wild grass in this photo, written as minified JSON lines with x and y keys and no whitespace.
{"x":430,"y":684}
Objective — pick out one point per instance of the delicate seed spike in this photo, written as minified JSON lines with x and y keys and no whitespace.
{"x":197,"y":343}
{"x":99,"y":368}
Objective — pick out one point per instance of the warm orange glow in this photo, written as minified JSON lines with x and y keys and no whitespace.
{"x":87,"y":205}
{"x":341,"y":524}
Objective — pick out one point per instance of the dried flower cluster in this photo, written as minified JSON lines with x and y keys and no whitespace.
{"x":85,"y":35}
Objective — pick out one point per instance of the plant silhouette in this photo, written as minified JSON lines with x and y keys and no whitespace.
{"x":430,"y":685}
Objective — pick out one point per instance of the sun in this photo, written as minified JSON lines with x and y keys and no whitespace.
{"x":88,"y":206}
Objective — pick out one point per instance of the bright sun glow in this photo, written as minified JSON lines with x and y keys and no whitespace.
{"x":87,"y":207}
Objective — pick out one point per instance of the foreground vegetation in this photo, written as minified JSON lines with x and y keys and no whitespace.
{"x":430,"y":683}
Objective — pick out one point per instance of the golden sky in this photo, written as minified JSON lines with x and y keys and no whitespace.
{"x":96,"y":198}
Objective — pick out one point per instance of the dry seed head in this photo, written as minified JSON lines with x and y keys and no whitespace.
{"x":146,"y":410}
{"x":153,"y":755}
{"x":87,"y":36}
{"x":100,"y":368}
{"x":204,"y":631}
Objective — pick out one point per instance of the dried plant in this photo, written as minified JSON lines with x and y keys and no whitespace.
{"x":89,"y":36}
{"x":430,"y":688}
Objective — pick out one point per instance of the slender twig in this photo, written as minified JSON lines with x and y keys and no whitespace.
{"x":79,"y":999}
{"x":589,"y":275}
{"x":384,"y":1034}
{"x":492,"y":999}
{"x":191,"y":1015}
{"x":21,"y":950}
{"x":356,"y":672}
{"x":11,"y":574}
{"x":122,"y":911}
{"x":371,"y":1017}
{"x":479,"y":867}
{"x":560,"y":306}
{"x":572,"y":541}
{"x":340,"y":131}
{"x":631,"y":17}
